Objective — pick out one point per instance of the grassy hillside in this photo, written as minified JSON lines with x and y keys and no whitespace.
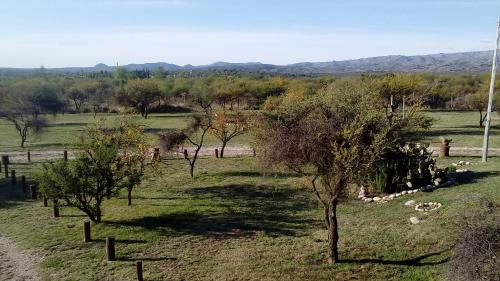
{"x":230,"y":223}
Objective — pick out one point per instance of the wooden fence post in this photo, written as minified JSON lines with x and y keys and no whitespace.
{"x":110,"y":248}
{"x":138,"y":267}
{"x":33,"y":191}
{"x":156,"y":154}
{"x":45,"y":202}
{"x":55,"y":208}
{"x":29,"y":156}
{"x":186,"y":156}
{"x":23,"y":183}
{"x":216,"y":153}
{"x":13,"y":178}
{"x":86,"y":232}
{"x":65,"y":155}
{"x":5,"y":162}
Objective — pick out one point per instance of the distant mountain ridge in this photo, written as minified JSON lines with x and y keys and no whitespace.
{"x":465,"y":62}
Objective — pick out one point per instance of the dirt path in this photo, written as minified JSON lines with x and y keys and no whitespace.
{"x":16,"y":265}
{"x":232,"y":150}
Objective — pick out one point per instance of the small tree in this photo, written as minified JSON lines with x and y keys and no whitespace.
{"x":141,"y":94}
{"x":335,"y":137}
{"x":110,"y":159}
{"x":227,"y":126}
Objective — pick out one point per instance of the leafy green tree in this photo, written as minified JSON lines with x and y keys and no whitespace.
{"x":335,"y":137}
{"x":141,"y":94}
{"x":110,"y":159}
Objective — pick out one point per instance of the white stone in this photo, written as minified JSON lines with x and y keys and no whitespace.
{"x":461,"y":162}
{"x":404,"y":192}
{"x":392,"y":196}
{"x":376,"y":199}
{"x":467,"y":163}
{"x":368,"y":200}
{"x":410,"y":203}
{"x":408,"y":183}
{"x":416,"y":190}
{"x":398,"y":194}
{"x":462,"y":170}
{"x":414,"y":220}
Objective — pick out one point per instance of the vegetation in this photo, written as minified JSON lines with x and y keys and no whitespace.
{"x":110,"y":159}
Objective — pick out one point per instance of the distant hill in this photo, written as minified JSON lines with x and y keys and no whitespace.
{"x":466,"y":62}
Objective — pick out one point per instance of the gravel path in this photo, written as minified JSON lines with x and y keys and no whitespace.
{"x":233,"y":150}
{"x":16,"y":265}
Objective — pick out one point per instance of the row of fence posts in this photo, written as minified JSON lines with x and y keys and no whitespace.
{"x":33,"y":193}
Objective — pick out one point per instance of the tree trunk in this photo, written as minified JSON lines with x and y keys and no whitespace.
{"x":333,"y":234}
{"x":222,"y":149}
{"x":191,"y":172}
{"x":129,"y":197}
{"x":482,"y":119}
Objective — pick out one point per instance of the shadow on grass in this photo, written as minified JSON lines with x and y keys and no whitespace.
{"x":255,"y":174}
{"x":457,"y":132}
{"x":121,"y":241}
{"x":417,"y":261}
{"x":249,"y":209}
{"x":10,"y":195}
{"x":474,"y":177}
{"x":130,"y":259}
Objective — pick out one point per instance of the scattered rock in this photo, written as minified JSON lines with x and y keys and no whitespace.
{"x":404,"y":192}
{"x":461,"y":170}
{"x":426,"y":207}
{"x":414,"y":220}
{"x":376,"y":199}
{"x":410,"y":203}
{"x":367,"y":200}
{"x":397,"y":194}
{"x":392,"y":196}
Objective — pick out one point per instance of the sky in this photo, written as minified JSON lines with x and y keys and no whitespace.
{"x":61,"y":33}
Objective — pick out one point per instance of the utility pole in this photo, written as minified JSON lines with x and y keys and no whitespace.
{"x":490,"y":98}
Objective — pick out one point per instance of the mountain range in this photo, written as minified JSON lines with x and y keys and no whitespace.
{"x":465,"y":62}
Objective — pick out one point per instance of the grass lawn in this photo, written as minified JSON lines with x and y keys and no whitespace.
{"x":462,"y":127}
{"x":63,"y":130}
{"x":230,"y":223}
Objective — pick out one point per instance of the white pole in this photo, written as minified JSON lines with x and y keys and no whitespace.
{"x":490,"y":98}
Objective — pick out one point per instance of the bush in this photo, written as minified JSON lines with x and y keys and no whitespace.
{"x":405,"y":168}
{"x":475,"y":256}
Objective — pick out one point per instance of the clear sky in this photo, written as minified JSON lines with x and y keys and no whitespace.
{"x":57,"y":33}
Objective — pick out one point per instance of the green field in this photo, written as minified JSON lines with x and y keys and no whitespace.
{"x":64,"y":129}
{"x":231,"y":223}
{"x":462,"y":127}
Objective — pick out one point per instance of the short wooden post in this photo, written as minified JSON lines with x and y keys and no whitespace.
{"x":86,"y":232}
{"x":65,"y":155}
{"x":156,"y":154}
{"x":23,"y":183}
{"x":55,"y":208}
{"x":45,"y":202}
{"x":29,"y":156}
{"x":110,"y":248}
{"x":33,"y":191}
{"x":216,"y":153}
{"x":138,"y":267}
{"x":13,"y":178}
{"x":186,"y":156}
{"x":5,"y":159}
{"x":6,"y":168}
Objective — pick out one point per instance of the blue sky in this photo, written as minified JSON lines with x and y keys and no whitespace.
{"x":57,"y":33}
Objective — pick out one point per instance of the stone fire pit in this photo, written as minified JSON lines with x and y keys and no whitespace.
{"x":427,"y":207}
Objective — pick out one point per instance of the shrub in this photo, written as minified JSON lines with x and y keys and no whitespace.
{"x":475,"y":256}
